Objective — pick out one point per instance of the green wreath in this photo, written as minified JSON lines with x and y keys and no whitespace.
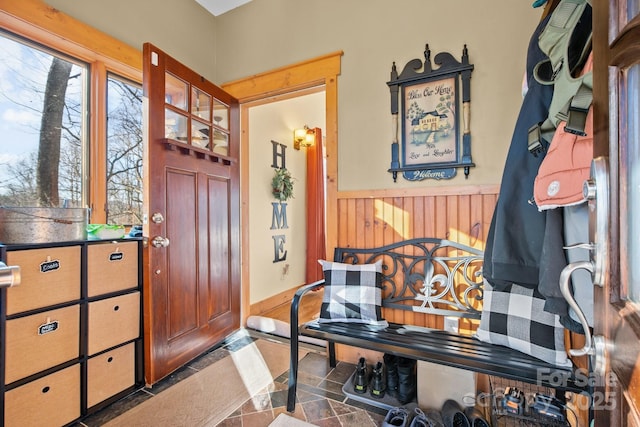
{"x":282,"y":185}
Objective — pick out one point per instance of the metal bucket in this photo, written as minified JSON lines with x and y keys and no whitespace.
{"x":42,"y":225}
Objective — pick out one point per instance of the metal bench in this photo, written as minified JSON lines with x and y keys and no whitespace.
{"x":433,"y":276}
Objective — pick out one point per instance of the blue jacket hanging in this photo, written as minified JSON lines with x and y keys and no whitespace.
{"x":514,"y":242}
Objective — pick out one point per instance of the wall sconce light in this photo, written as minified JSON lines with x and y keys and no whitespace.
{"x":304,"y":137}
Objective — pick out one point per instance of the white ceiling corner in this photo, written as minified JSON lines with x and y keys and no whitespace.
{"x":218,"y":7}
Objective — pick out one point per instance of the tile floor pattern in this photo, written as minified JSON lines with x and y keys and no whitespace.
{"x":320,"y":398}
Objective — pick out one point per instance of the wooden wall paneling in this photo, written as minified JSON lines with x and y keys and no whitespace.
{"x":372,"y":219}
{"x":476,"y":215}
{"x":369,"y":221}
{"x":409,"y":222}
{"x":390,"y":234}
{"x":360,"y":223}
{"x":367,"y":216}
{"x":452,"y":219}
{"x":341,"y":217}
{"x":351,"y":229}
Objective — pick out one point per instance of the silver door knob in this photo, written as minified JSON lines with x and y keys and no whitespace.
{"x":157,"y":218}
{"x":9,"y":275}
{"x":160,"y":242}
{"x":601,"y":348}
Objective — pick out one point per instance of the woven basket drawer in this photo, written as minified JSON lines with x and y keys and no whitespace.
{"x":48,"y":276}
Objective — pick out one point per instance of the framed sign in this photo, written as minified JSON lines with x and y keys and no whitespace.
{"x":430,"y":108}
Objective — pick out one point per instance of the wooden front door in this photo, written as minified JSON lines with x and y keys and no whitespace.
{"x":192,"y":276}
{"x":617,"y":244}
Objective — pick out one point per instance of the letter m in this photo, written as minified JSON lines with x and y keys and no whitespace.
{"x":279,"y":217}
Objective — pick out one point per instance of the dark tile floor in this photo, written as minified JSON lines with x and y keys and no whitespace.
{"x":320,"y":398}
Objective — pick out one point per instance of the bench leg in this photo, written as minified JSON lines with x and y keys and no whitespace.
{"x":293,"y":380}
{"x":293,"y":369}
{"x":332,"y":354}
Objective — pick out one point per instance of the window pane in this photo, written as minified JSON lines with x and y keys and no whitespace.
{"x":221,"y":115}
{"x":630,"y":223}
{"x":175,"y":125}
{"x":200,"y":104}
{"x":200,"y":134}
{"x":175,"y":92}
{"x":42,"y":105}
{"x":124,"y":152}
{"x":632,"y":10}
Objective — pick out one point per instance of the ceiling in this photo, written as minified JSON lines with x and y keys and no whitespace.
{"x":218,"y":7}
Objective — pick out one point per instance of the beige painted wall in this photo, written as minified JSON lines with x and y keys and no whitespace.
{"x":267,"y":34}
{"x":276,"y":121}
{"x":181,"y":28}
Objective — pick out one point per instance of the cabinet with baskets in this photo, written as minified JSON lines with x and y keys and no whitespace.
{"x":71,"y":331}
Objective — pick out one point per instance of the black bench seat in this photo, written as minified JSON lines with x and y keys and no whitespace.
{"x":420,"y":343}
{"x":437,"y":346}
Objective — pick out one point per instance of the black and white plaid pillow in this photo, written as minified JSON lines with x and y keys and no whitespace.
{"x":352,"y":293}
{"x":515,"y":318}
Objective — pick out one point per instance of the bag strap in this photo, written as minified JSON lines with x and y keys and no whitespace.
{"x":575,"y":112}
{"x":555,"y":39}
{"x":555,"y":70}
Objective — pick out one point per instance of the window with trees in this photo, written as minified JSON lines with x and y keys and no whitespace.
{"x":45,"y":122}
{"x":124,"y":151}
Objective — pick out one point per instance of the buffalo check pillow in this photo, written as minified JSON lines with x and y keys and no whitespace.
{"x":516,"y":318}
{"x":352,"y":293}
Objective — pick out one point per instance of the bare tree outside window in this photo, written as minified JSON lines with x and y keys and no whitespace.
{"x":43,"y":137}
{"x":41,"y":148}
{"x":124,"y":152}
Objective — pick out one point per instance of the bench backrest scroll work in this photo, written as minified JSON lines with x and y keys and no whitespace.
{"x":426,"y":275}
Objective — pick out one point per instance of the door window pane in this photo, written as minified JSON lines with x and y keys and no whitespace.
{"x":633,"y":8}
{"x":221,"y":115}
{"x":630,"y":187}
{"x":175,"y":92}
{"x":200,"y":104}
{"x":43,"y":145}
{"x":200,"y":134}
{"x":124,"y":152}
{"x":220,"y":143}
{"x":175,"y":125}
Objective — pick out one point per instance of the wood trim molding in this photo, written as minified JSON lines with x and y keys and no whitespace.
{"x":305,"y":74}
{"x":463,"y":190}
{"x":37,"y":21}
{"x":286,"y":82}
{"x":261,"y":307}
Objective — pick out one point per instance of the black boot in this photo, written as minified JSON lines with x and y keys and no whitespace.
{"x":391,"y":363}
{"x":361,"y":378}
{"x":378,"y":384}
{"x":406,"y":380}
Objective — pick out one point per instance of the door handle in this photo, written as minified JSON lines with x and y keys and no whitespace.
{"x":565,"y":276}
{"x":596,"y":191}
{"x":9,"y":275}
{"x":595,"y":346}
{"x":160,"y":242}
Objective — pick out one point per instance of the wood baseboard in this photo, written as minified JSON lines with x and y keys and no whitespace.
{"x":262,"y":307}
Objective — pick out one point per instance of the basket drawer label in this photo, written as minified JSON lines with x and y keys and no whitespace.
{"x":49,"y":265}
{"x":116,"y":256}
{"x":50,"y":326}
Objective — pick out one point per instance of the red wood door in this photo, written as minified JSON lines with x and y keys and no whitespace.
{"x":616,"y":33}
{"x":192,"y":274}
